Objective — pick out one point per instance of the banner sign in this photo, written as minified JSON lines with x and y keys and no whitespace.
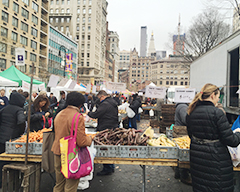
{"x":94,"y":89}
{"x":20,"y":56}
{"x":88,"y":89}
{"x":184,"y":95}
{"x":53,"y":80}
{"x":41,"y":87}
{"x":116,"y":86}
{"x":69,"y":60}
{"x":155,"y":92}
{"x":26,"y":86}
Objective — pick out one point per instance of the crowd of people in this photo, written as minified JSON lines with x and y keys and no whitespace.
{"x":207,"y":126}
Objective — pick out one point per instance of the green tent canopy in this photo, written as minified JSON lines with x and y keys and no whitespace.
{"x":12,"y":73}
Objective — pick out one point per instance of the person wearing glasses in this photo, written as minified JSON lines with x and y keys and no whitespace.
{"x":107,"y":115}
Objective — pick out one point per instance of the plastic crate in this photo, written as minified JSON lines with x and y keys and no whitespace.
{"x":163,"y":152}
{"x":37,"y":148}
{"x":134,"y":151}
{"x":11,"y":148}
{"x":184,"y":154}
{"x":107,"y":150}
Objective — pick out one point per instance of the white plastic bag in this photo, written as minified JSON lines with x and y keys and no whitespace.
{"x":235,"y":152}
{"x":140,"y":110}
{"x":151,"y":113}
{"x":130,"y":112}
{"x":123,"y":106}
{"x":94,"y":108}
{"x":121,"y":124}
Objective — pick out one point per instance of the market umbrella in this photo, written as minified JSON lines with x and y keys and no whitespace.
{"x":13,"y":74}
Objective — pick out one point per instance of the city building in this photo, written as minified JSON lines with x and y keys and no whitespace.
{"x":85,"y":22}
{"x":143,"y":42}
{"x":24,"y":24}
{"x":236,"y":21}
{"x":140,"y":68}
{"x":161,"y":54}
{"x":151,"y":48}
{"x":178,"y":42}
{"x":172,"y":71}
{"x":114,"y":50}
{"x":124,"y":76}
{"x":124,"y":59}
{"x":61,"y":43}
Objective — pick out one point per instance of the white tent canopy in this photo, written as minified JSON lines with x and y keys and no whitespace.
{"x":152,"y":85}
{"x":69,"y":86}
{"x":7,"y":83}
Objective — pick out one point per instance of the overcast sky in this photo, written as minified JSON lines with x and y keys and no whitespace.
{"x":160,"y":16}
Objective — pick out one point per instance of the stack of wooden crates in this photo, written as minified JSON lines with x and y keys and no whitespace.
{"x":168,"y":113}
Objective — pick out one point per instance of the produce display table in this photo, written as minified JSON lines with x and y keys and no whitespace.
{"x":148,"y":107}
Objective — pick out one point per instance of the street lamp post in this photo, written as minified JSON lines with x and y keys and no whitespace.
{"x":59,"y":54}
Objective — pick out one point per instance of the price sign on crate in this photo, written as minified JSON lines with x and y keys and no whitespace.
{"x":184,"y":95}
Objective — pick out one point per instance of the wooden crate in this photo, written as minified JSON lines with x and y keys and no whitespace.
{"x":21,"y":177}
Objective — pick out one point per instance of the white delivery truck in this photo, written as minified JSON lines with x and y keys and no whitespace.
{"x":220,"y":66}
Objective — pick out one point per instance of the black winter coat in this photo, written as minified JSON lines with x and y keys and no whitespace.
{"x":12,"y":118}
{"x":136,"y":103}
{"x":107,"y":114}
{"x":211,"y":164}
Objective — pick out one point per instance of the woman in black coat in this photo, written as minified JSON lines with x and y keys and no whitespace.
{"x":134,"y":105}
{"x":210,"y":133}
{"x":39,"y":113}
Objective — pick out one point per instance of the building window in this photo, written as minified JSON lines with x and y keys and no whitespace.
{"x":167,"y":82}
{"x":51,"y":3}
{"x":51,"y":20}
{"x":23,"y":40}
{"x":171,"y":82}
{"x":83,"y":19}
{"x":14,"y":22}
{"x":160,"y":82}
{"x":3,"y":63}
{"x":89,"y":37}
{"x":62,"y":28}
{"x":67,"y":28}
{"x":89,"y":11}
{"x":14,"y":36}
{"x":62,"y":20}
{"x":24,"y":26}
{"x":57,"y":11}
{"x":15,"y":7}
{"x":5,"y":16}
{"x":181,"y":83}
{"x":51,"y":10}
{"x":175,"y":82}
{"x":82,"y":46}
{"x":83,"y":37}
{"x":4,"y":32}
{"x":5,"y":2}
{"x":88,"y":54}
{"x":89,"y":28}
{"x":25,"y":13}
{"x":79,"y":1}
{"x":78,"y":19}
{"x":34,"y":32}
{"x":56,"y":20}
{"x":68,"y":20}
{"x":87,"y":64}
{"x":56,"y":28}
{"x":26,"y":1}
{"x":35,"y":6}
{"x":3,"y":47}
{"x":89,"y":19}
{"x":84,"y":11}
{"x":57,"y":2}
{"x":62,"y":11}
{"x":88,"y":46}
{"x":34,"y":19}
{"x":68,"y":11}
{"x":83,"y":28}
{"x":82,"y":55}
{"x":186,"y":83}
{"x":167,"y":77}
{"x":62,"y":2}
{"x":77,"y":28}
{"x":68,"y":2}
{"x":33,"y":44}
{"x":78,"y":10}
{"x":90,"y":2}
{"x":33,"y":57}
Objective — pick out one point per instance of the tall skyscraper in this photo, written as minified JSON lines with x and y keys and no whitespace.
{"x":143,"y":43}
{"x":151,"y":48}
{"x":178,"y":42}
{"x":85,"y":21}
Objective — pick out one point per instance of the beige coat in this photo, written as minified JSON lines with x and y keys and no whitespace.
{"x":62,"y":127}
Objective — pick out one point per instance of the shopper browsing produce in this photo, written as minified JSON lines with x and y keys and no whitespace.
{"x":210,"y":133}
{"x":107,"y":115}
